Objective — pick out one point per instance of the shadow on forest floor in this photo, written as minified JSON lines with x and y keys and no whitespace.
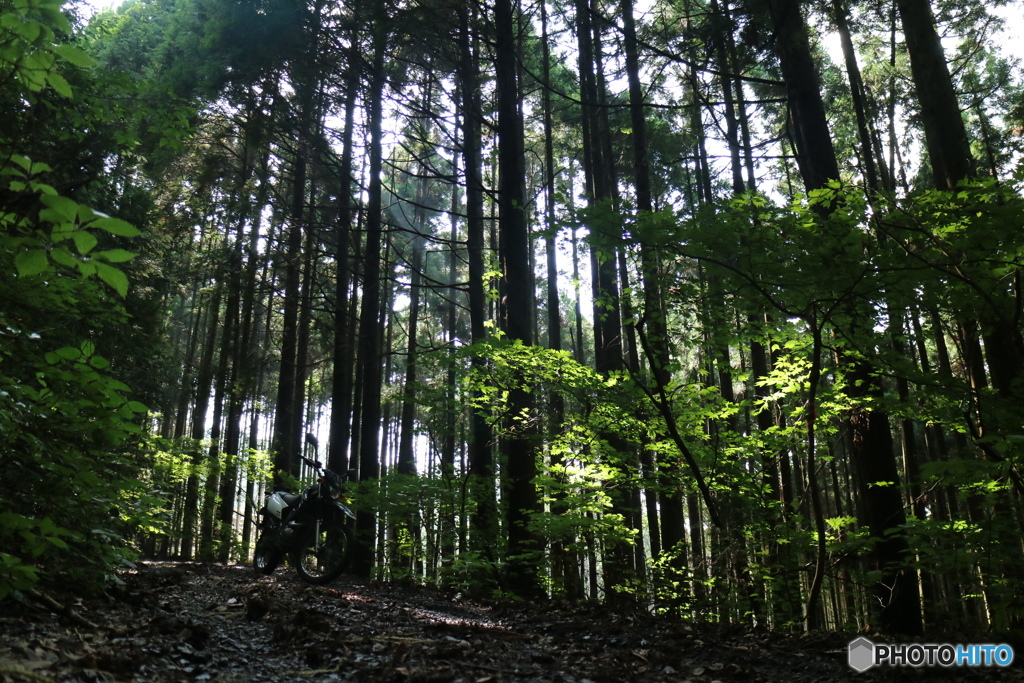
{"x":196,"y":622}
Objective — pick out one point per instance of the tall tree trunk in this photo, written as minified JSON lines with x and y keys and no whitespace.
{"x":406,"y":457}
{"x":238,"y":389}
{"x":654,"y":321}
{"x":341,"y":380}
{"x":564,"y":561}
{"x":949,"y":150}
{"x":484,"y":515}
{"x":450,"y":434}
{"x":517,"y":278}
{"x":605,"y":232}
{"x":370,"y":317}
{"x":950,"y":156}
{"x":815,"y":154}
{"x":204,"y":385}
{"x":859,"y":94}
{"x":287,"y":424}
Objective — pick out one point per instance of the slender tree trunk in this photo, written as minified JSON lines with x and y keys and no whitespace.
{"x":204,"y":386}
{"x":370,"y":320}
{"x":871,"y":174}
{"x":406,"y":457}
{"x":299,"y":397}
{"x":604,"y":233}
{"x":341,"y":381}
{"x":236,"y":400}
{"x":288,"y":425}
{"x":564,"y":561}
{"x":450,"y":435}
{"x":484,"y":518}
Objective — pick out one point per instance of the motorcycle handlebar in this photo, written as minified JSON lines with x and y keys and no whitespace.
{"x":351,"y":475}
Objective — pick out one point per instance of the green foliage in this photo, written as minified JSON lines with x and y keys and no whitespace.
{"x":31,"y":47}
{"x":411,"y":503}
{"x":578,"y":503}
{"x":671,"y":583}
{"x":42,"y":239}
{"x":478,"y":574}
{"x":68,"y":491}
{"x":36,"y":537}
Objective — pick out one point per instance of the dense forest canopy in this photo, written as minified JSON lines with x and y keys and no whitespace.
{"x":704,"y":306}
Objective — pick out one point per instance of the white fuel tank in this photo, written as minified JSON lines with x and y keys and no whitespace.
{"x":276,"y":504}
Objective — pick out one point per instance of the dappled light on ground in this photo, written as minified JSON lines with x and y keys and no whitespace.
{"x":195,"y":622}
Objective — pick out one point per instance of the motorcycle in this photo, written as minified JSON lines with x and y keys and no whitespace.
{"x":311,"y":527}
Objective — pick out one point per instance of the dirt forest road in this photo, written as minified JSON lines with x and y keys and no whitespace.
{"x":196,"y":622}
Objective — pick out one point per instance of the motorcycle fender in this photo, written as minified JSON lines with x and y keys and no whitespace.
{"x":345,"y":510}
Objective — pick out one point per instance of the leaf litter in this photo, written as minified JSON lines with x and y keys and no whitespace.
{"x":176,"y":622}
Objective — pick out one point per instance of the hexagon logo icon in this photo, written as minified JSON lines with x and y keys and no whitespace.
{"x":861,"y":654}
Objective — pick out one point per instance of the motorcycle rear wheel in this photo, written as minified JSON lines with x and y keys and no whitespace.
{"x":324,"y":555}
{"x":266,"y":557}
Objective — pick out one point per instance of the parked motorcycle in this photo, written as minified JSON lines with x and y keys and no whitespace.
{"x":310,"y":527}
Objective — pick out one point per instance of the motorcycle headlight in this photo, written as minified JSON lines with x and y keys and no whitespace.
{"x":332,"y":480}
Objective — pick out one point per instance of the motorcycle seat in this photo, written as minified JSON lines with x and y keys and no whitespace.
{"x":290,"y":498}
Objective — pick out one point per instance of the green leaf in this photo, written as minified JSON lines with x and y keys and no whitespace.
{"x":52,"y":12}
{"x":115,"y":255}
{"x":116,"y":226}
{"x":62,"y":231}
{"x":113,"y":277}
{"x":67,"y":208}
{"x":59,"y":83}
{"x":84,"y":240}
{"x":68,"y":353}
{"x":74,"y":55}
{"x":29,"y":30}
{"x":24,"y":162}
{"x":31,"y":262}
{"x":64,"y":257}
{"x":57,"y":217}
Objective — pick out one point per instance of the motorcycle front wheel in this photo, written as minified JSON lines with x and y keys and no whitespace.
{"x":266,"y":557}
{"x":324,"y":555}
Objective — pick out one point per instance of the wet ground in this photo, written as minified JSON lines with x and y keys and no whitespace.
{"x":194,"y":622}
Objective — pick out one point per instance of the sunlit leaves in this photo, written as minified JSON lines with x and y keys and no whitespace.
{"x":64,"y":476}
{"x":42,"y":243}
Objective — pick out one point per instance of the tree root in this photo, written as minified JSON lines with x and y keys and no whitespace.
{"x":63,"y":610}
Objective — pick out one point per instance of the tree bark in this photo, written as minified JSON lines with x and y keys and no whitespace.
{"x":370,"y":316}
{"x":484,"y":517}
{"x":341,"y":381}
{"x":287,"y":425}
{"x":517,"y":279}
{"x":949,"y":150}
